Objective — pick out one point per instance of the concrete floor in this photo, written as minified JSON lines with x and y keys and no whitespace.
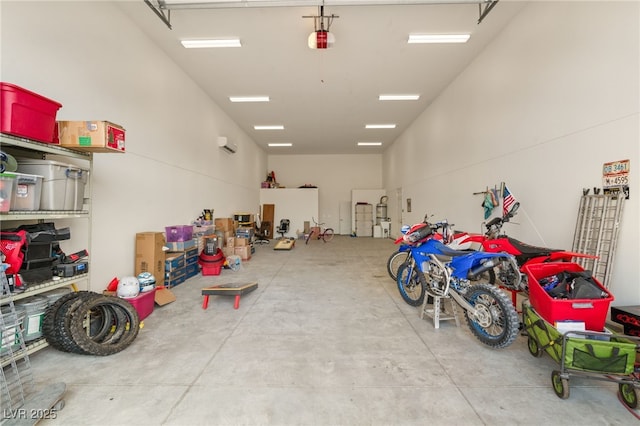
{"x":324,"y":340}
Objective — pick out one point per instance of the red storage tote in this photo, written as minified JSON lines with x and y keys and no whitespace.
{"x":27,"y":114}
{"x":143,"y":303}
{"x":593,"y":312}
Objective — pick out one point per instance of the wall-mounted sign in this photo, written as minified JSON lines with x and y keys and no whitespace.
{"x":615,"y":177}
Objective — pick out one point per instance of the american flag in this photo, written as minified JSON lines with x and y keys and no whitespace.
{"x":507,"y":201}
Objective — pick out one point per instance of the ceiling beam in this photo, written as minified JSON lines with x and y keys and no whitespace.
{"x":226,"y":4}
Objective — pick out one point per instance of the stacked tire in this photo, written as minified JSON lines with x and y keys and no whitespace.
{"x":90,"y":323}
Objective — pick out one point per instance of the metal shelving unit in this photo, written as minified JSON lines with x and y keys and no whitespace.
{"x":29,"y":148}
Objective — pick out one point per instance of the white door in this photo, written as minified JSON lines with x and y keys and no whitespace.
{"x":400,"y":210}
{"x":345,"y":218}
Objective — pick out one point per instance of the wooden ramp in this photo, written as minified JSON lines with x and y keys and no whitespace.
{"x":286,"y":244}
{"x":233,"y":289}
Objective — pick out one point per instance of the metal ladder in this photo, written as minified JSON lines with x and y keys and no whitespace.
{"x":596,"y":233}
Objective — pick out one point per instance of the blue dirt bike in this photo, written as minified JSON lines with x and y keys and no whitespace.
{"x":441,"y":271}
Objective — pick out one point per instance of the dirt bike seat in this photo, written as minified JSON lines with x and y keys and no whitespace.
{"x":529,"y":249}
{"x":447,"y":251}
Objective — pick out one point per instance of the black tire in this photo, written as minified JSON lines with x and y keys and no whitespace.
{"x":395,"y":261}
{"x":127,"y":326}
{"x":560,"y":385}
{"x":55,"y":325}
{"x":497,"y":323}
{"x":101,"y":321}
{"x":533,"y":347}
{"x":327,"y":235}
{"x":629,"y":395}
{"x":411,"y":284}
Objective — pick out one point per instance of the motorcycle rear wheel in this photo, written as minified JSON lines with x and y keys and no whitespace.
{"x":411,"y":284}
{"x":497,"y":323}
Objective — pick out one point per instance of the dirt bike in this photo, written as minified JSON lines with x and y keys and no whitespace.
{"x":440,"y":271}
{"x":412,"y":236}
{"x":494,"y":241}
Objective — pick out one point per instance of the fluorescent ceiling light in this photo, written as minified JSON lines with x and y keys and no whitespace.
{"x":220,"y":42}
{"x":369,"y":143}
{"x":249,"y":98}
{"x":278,"y":127}
{"x":380,"y":126}
{"x":438,"y":38}
{"x":398,"y":97}
{"x":280,"y":144}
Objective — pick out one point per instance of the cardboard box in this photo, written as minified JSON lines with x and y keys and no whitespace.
{"x":164,"y":296}
{"x":149,"y":254}
{"x":192,"y":270}
{"x":174,"y":261}
{"x":181,"y":246}
{"x":241,"y":242}
{"x":244,"y":252}
{"x":94,"y":136}
{"x":173,"y":274}
{"x":224,"y":224}
{"x":174,"y":280}
{"x":231,"y":242}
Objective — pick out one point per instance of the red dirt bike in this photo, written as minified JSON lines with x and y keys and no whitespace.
{"x":494,"y":241}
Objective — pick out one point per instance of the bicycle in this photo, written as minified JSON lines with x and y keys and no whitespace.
{"x":326,"y":234}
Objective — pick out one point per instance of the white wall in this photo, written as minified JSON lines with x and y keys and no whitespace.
{"x":554,"y":97}
{"x":334,"y":175}
{"x":88,"y":56}
{"x":297,"y":205}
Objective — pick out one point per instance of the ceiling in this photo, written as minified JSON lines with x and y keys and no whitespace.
{"x":324,"y":98}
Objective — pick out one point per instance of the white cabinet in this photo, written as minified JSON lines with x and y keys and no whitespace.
{"x":12,"y":219}
{"x":364,"y":220}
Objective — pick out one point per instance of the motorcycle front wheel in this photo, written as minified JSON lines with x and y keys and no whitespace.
{"x":394,"y":262}
{"x":496,"y":321}
{"x":411,"y":284}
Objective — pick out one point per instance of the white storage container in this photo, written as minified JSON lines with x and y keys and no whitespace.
{"x":26,"y":193}
{"x":62,"y":186}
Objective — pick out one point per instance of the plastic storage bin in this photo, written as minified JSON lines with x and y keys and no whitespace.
{"x":593,"y":312}
{"x":27,"y":114}
{"x":63,"y":184}
{"x":33,"y":309}
{"x":143,"y":303}
{"x":6,"y":190}
{"x":179,"y":233}
{"x":27,"y":190}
